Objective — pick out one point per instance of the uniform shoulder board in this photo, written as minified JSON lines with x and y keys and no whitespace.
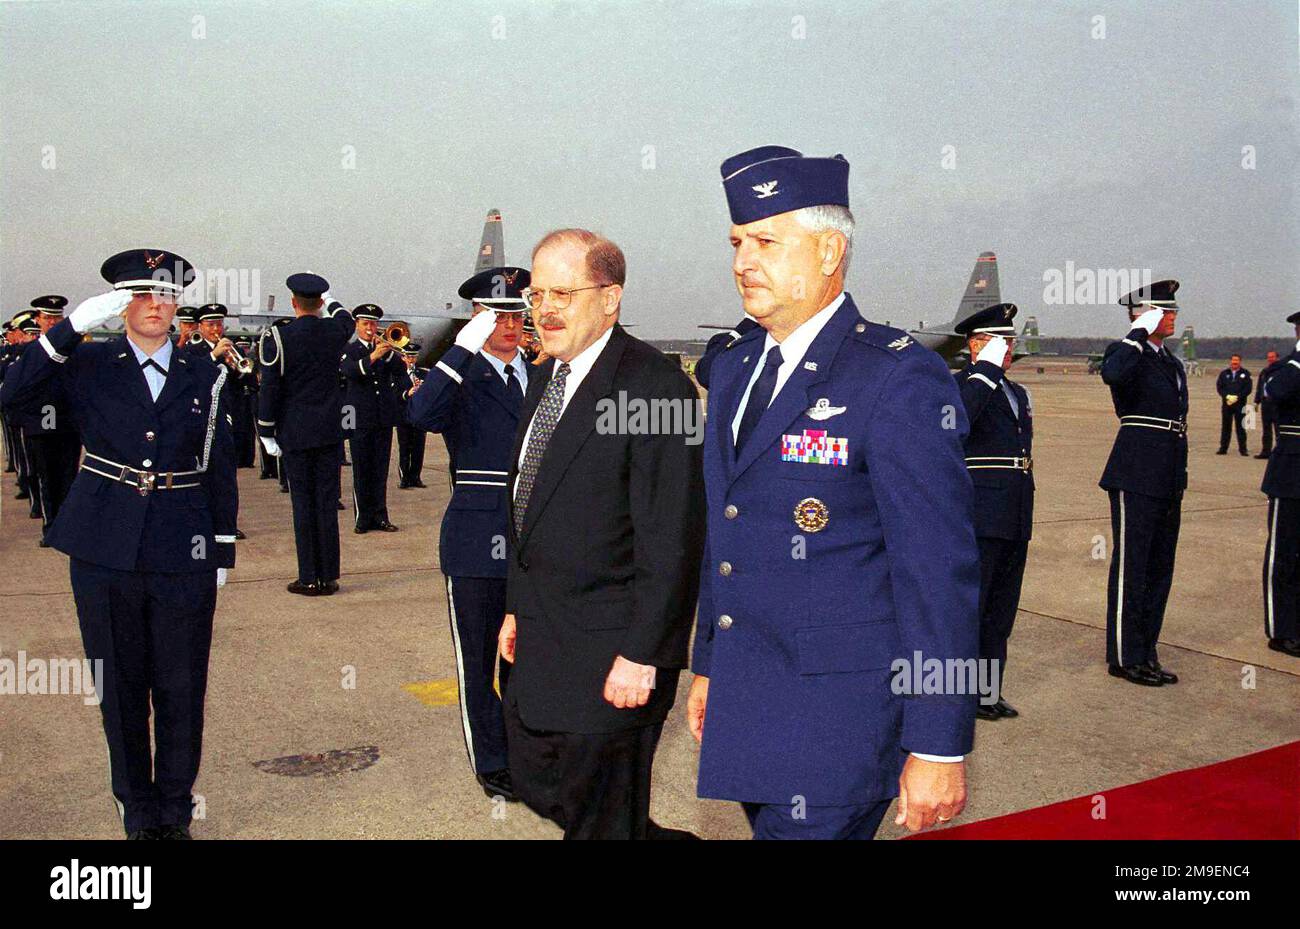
{"x":887,"y":338}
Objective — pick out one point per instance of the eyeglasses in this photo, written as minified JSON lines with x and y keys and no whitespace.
{"x":561,"y":297}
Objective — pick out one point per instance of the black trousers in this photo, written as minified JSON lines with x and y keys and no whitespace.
{"x":153,"y":633}
{"x":371,"y":451}
{"x":1002,"y":571}
{"x":593,"y":785}
{"x":55,"y":459}
{"x":269,"y":463}
{"x":313,"y":476}
{"x":410,"y":454}
{"x":29,"y":480}
{"x":478,"y":607}
{"x":1268,"y":416}
{"x":1233,"y":415}
{"x":6,"y":431}
{"x":1282,"y":569}
{"x":1144,"y":533}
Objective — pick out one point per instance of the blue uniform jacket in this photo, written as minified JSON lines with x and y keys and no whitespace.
{"x":1004,"y":497}
{"x":1282,"y":475}
{"x":466,"y":400}
{"x":43,"y":412}
{"x":373,"y":388}
{"x":1237,"y":383}
{"x":300,"y":401}
{"x":1143,"y":382}
{"x":112,"y":524}
{"x":800,"y":699}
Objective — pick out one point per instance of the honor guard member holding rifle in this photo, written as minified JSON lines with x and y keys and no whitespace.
{"x":840,"y":536}
{"x":1282,"y":484}
{"x":300,"y":418}
{"x":410,"y":439}
{"x":1267,"y":408}
{"x":1234,"y":386}
{"x":472,"y":396}
{"x":149,"y":525}
{"x":372,"y":371}
{"x":1145,"y":478}
{"x":26,"y":330}
{"x":998,"y":460}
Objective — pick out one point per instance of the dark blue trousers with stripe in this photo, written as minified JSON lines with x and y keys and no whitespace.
{"x":478,"y":606}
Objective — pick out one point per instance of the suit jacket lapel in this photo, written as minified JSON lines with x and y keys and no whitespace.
{"x":180,"y":376}
{"x":727,"y":399}
{"x":496,"y":387}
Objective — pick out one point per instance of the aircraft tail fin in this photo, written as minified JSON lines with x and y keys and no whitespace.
{"x":491,"y":249}
{"x":1189,"y":344}
{"x":1029,"y":337}
{"x":983,"y":289}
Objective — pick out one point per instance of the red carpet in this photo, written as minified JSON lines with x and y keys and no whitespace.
{"x":1252,"y":797}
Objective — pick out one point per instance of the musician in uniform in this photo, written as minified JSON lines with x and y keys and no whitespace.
{"x":372,"y":372}
{"x":1282,"y":485}
{"x":300,"y":417}
{"x":1145,"y":478}
{"x":187,"y":324}
{"x":24,"y":329}
{"x":472,"y":396}
{"x":998,"y":459}
{"x":148,"y":525}
{"x":410,"y":439}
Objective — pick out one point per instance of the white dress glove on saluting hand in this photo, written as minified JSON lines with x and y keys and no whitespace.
{"x":995,"y":350}
{"x":1150,"y":320}
{"x":93,"y":313}
{"x":272,"y":447}
{"x":475,"y":332}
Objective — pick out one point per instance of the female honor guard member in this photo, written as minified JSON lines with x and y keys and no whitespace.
{"x":472,"y":396}
{"x":1145,"y":478}
{"x":1282,"y":484}
{"x":148,"y":524}
{"x":998,"y":461}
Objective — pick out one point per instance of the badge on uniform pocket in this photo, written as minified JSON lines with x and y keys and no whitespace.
{"x":811,"y":515}
{"x":814,"y":446}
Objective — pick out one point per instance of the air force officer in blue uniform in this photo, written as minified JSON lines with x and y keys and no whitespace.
{"x":998,"y":459}
{"x":1282,"y":485}
{"x":840,"y":536}
{"x":472,"y":396}
{"x":1145,"y":478}
{"x":148,"y":524}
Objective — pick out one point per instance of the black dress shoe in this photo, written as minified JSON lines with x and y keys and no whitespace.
{"x":658,"y":833}
{"x":403,"y":486}
{"x":1263,"y":456}
{"x":326,"y":588}
{"x":43,"y":544}
{"x":1136,"y":674}
{"x":418,"y":485}
{"x":341,"y":506}
{"x":360,"y":530}
{"x":1244,"y":453}
{"x":1222,"y":451}
{"x":1166,"y":677}
{"x":498,"y":784}
{"x":174,"y":832}
{"x":307,"y":590}
{"x":36,"y":515}
{"x":385,"y":526}
{"x":283,"y":489}
{"x":239,"y":535}
{"x":1286,"y":646}
{"x":987,"y":711}
{"x":22,"y":495}
{"x":1005,"y":710}
{"x":142,"y":835}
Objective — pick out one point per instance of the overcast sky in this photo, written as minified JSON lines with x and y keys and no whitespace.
{"x":225,"y":131}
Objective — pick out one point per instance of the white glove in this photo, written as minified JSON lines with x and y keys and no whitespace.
{"x":93,"y":313}
{"x":995,"y":350}
{"x":1297,"y":345}
{"x":475,"y":332}
{"x":272,"y":447}
{"x":1150,"y":320}
{"x":221,"y":577}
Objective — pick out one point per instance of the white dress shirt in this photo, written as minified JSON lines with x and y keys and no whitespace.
{"x":162,"y":357}
{"x":579,"y":367}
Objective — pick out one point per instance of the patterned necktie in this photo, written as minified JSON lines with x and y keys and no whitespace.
{"x":512,"y":384}
{"x":759,"y":398}
{"x":548,"y":414}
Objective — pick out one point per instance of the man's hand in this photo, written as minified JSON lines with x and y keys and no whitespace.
{"x":221,"y":349}
{"x":1150,"y":320}
{"x":93,"y":313}
{"x":381,"y":349}
{"x":930,"y":792}
{"x":272,"y":447}
{"x":995,"y":350}
{"x":629,"y":684}
{"x":474,"y":334}
{"x":506,"y":639}
{"x":695,"y":702}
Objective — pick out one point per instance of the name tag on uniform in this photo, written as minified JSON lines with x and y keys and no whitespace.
{"x":814,"y":446}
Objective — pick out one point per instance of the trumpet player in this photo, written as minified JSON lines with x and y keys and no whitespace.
{"x":370,"y":411}
{"x":209,"y":338}
{"x":410,"y":439}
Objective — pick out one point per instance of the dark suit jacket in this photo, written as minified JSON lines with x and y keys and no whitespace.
{"x":301,"y":400}
{"x":1144,"y":382}
{"x":1004,"y":497}
{"x":607,"y":562}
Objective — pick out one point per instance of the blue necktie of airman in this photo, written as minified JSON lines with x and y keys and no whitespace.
{"x":548,"y":414}
{"x":512,"y":385}
{"x":760,"y":398}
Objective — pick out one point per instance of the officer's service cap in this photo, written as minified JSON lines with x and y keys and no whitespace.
{"x":992,"y":320}
{"x":765,"y":181}
{"x":148,"y":269}
{"x":306,"y":284}
{"x":499,"y":289}
{"x":411,"y":348}
{"x":17,"y":320}
{"x":1159,"y":296}
{"x":50,"y":304}
{"x":210,"y":311}
{"x":186,"y":314}
{"x":368,"y":311}
{"x":28,"y":324}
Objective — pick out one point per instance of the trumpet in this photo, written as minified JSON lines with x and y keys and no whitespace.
{"x":396,"y":336}
{"x":233,"y":358}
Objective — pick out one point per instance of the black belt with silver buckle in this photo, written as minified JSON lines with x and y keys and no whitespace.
{"x":980,"y":462}
{"x":143,"y":481}
{"x":1155,"y":422}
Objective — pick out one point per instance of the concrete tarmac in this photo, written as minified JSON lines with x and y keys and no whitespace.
{"x":372,"y":668}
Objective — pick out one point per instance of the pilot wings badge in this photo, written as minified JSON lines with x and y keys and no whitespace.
{"x":822,"y":409}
